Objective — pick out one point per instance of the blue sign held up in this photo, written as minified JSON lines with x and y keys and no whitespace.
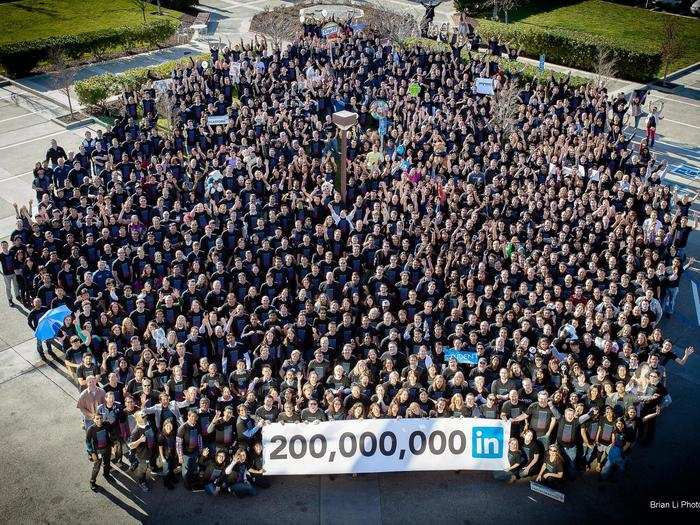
{"x":541,"y":65}
{"x":468,"y":358}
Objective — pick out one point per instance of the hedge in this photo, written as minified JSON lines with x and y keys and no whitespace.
{"x":178,"y":5}
{"x":20,"y":58}
{"x":95,"y":91}
{"x":573,"y":49}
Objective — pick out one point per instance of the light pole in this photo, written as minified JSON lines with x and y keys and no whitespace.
{"x":344,"y":120}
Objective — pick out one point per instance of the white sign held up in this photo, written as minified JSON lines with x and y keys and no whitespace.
{"x":217,"y":120}
{"x":484,"y":86}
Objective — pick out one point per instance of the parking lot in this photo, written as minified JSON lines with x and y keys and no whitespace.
{"x":26,"y":130}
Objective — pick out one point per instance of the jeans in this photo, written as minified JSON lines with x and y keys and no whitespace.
{"x":243,"y":488}
{"x":189,"y":469}
{"x":11,"y":283}
{"x":615,"y":459}
{"x":570,"y":454}
{"x":590,"y":453}
{"x":544,"y":439}
{"x":504,"y":475}
{"x":670,"y":300}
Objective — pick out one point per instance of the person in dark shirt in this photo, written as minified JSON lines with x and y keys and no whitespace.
{"x":168,"y":453}
{"x":143,"y":442}
{"x":189,"y":446}
{"x":552,"y":470}
{"x":99,"y":447}
{"x":516,"y":460}
{"x":7,"y":265}
{"x":33,"y":320}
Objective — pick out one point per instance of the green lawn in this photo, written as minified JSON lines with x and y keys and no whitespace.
{"x":27,"y":19}
{"x":633,"y":25}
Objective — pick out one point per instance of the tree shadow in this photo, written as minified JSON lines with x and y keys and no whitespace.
{"x":34,"y":9}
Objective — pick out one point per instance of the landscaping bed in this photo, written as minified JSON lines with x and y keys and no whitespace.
{"x":84,"y":31}
{"x":569,"y":31}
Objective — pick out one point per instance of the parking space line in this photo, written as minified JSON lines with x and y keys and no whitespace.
{"x":696,"y":298}
{"x":20,"y":116}
{"x":34,"y":139}
{"x":680,"y":123}
{"x":676,"y":100}
{"x":17,"y":176}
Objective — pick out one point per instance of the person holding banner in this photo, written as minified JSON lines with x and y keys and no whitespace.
{"x":516,"y":460}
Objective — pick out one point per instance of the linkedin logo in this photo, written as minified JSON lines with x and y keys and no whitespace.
{"x":487,"y":442}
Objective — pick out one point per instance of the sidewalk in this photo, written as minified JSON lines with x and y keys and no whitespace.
{"x":45,"y":84}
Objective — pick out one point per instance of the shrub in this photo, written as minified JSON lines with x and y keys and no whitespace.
{"x":20,"y":58}
{"x":574,"y":49}
{"x":179,"y":5}
{"x":94,"y":91}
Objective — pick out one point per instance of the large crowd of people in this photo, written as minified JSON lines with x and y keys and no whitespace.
{"x":218,"y":281}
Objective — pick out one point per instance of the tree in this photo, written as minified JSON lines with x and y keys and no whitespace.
{"x":506,"y":106}
{"x":63,"y":77}
{"x":165,"y":106}
{"x":467,"y":6}
{"x":141,"y":5}
{"x":397,"y":26}
{"x":605,"y":66}
{"x":502,"y":5}
{"x":279,"y":24}
{"x":671,"y":44}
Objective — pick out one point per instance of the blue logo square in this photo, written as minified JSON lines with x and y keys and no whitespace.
{"x":487,"y":442}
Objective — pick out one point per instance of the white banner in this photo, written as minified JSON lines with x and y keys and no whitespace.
{"x":161,"y":86}
{"x":385,"y":445}
{"x":217,"y":120}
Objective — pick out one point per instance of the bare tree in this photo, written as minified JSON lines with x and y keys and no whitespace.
{"x":280,"y":24}
{"x":671,"y":45}
{"x":397,"y":26}
{"x":605,"y":66}
{"x":502,"y":5}
{"x":506,"y":106}
{"x":141,"y":5}
{"x":63,"y":77}
{"x":165,"y":106}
